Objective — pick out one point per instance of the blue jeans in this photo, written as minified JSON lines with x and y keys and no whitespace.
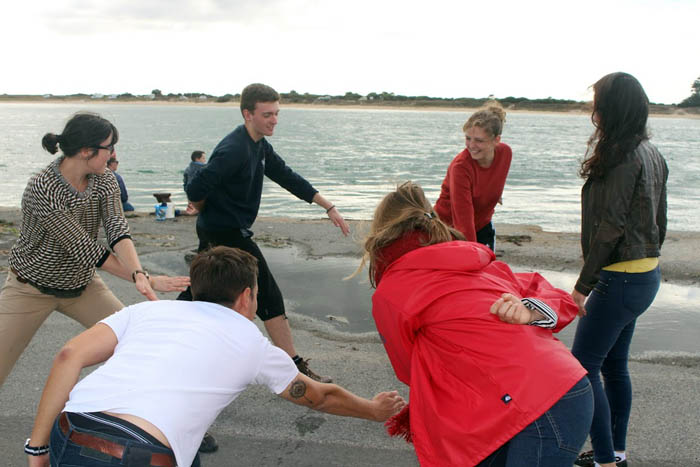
{"x":555,"y":438}
{"x":126,"y":206}
{"x":65,"y":453}
{"x":602,"y":344}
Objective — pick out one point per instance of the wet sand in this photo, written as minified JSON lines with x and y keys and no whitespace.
{"x":260,"y":429}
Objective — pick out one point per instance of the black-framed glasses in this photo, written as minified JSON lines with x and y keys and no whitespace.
{"x":109,"y":147}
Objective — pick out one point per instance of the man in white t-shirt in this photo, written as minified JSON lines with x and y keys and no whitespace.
{"x":170,"y":368}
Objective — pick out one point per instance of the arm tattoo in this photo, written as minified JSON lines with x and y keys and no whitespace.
{"x":298,"y":390}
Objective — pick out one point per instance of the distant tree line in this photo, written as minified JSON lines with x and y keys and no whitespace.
{"x":383,"y":98}
{"x":694,"y":99}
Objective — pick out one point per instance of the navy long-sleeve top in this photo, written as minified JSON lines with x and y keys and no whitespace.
{"x":123,"y":194}
{"x":231,"y":182}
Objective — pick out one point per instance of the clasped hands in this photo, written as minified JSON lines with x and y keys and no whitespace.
{"x":510,"y":309}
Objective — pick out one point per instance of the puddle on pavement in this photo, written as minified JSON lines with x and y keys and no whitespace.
{"x":312,"y":287}
{"x":671,"y":324}
{"x":315,"y":288}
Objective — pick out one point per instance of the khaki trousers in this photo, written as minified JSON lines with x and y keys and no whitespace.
{"x":23,"y":308}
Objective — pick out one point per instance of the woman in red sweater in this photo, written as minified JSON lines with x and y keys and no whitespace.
{"x":489,"y":383}
{"x":476,"y":177}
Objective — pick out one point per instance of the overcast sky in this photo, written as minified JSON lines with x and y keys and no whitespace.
{"x":438,"y":48}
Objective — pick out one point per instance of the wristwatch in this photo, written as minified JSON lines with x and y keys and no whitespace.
{"x":139,"y":271}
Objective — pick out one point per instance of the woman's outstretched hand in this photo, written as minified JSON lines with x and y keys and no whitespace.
{"x":147,"y":286}
{"x":170,"y":284}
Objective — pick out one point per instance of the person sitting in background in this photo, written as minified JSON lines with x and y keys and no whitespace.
{"x":112,"y":165}
{"x":170,"y":368}
{"x":199,"y":160}
{"x":489,"y":382}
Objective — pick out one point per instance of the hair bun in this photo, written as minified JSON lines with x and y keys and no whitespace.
{"x":50,"y":142}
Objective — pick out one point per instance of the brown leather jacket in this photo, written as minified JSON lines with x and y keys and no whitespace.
{"x":623,"y":214}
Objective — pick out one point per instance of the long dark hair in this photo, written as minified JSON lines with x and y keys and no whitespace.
{"x":620,"y":112}
{"x":83,"y":130}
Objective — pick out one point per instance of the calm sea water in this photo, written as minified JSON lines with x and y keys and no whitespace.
{"x":354,"y":157}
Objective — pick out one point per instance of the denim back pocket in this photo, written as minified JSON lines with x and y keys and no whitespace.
{"x":570,"y":418}
{"x":640,"y":290}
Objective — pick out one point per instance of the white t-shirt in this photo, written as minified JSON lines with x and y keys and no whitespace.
{"x":178,"y":364}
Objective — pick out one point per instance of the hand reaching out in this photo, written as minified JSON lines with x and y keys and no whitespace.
{"x":338,"y":220}
{"x":160,"y":283}
{"x":387,"y":404}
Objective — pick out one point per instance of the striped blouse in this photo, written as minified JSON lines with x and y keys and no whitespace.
{"x":57,"y":246}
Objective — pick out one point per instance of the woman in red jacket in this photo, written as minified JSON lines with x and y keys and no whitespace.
{"x":473,"y":340}
{"x":476,"y":177}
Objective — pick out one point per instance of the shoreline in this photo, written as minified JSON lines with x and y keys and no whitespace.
{"x":520,"y":245}
{"x":670,"y":113}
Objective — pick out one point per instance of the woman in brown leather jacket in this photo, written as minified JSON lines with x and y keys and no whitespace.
{"x":623,"y":225}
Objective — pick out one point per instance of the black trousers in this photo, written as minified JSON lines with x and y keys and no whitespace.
{"x":487,"y":236}
{"x":270,"y":301}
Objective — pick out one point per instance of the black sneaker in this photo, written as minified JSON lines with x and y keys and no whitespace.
{"x":585,"y":459}
{"x":208,"y":443}
{"x":303,"y":367}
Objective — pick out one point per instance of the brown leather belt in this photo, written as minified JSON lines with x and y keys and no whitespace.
{"x":158,"y":459}
{"x":60,"y":293}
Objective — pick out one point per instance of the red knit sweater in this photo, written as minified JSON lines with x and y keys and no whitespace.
{"x":470,"y":192}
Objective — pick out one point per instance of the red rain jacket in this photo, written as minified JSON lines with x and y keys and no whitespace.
{"x":475,"y":382}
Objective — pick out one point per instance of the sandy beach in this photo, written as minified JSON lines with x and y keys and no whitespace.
{"x":580,"y":108}
{"x":261,"y":429}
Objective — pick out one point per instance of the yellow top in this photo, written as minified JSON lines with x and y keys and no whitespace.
{"x":636,"y":265}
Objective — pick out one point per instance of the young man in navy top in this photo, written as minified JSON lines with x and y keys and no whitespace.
{"x":227,"y":192}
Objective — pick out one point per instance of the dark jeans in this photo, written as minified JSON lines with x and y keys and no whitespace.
{"x":137,"y":453}
{"x":602,"y":344}
{"x":555,"y":438}
{"x":487,"y":236}
{"x":270,"y":301}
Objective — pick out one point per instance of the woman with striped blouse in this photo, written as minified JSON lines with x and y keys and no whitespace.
{"x":53,"y":263}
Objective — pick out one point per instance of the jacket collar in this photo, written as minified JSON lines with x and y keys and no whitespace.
{"x":408,"y":253}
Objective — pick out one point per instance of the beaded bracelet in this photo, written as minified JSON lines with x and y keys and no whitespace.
{"x":35,"y":450}
{"x":329,"y":209}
